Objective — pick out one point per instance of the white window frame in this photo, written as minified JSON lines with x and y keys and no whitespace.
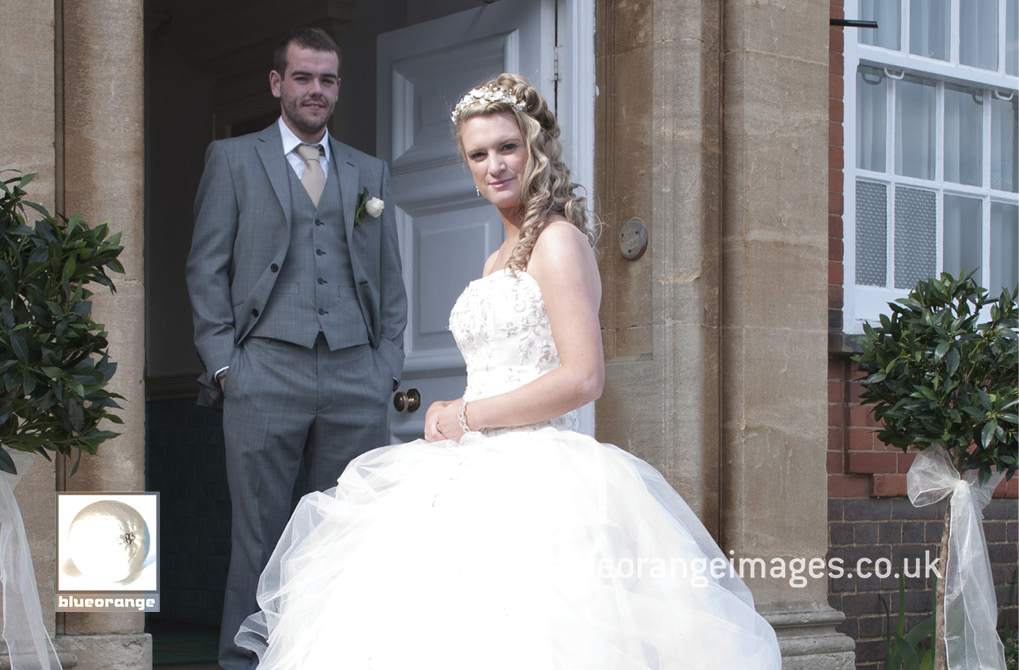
{"x":865,"y":303}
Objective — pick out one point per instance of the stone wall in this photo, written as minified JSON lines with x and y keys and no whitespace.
{"x":27,"y":111}
{"x":73,"y":113}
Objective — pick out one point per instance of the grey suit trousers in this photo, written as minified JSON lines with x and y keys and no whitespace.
{"x":284,"y":403}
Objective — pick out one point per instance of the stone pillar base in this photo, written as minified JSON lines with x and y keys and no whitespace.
{"x":809,"y":641}
{"x":127,"y":651}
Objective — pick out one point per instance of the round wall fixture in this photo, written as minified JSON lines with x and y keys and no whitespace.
{"x":633,"y":239}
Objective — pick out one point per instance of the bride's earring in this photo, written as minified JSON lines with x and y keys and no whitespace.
{"x":477,"y":190}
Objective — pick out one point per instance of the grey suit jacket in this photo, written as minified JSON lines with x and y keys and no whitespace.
{"x":241,"y":237}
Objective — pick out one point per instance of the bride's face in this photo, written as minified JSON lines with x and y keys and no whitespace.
{"x":496,"y":154}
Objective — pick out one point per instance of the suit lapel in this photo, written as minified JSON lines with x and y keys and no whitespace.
{"x":269,"y":146}
{"x":349,"y":177}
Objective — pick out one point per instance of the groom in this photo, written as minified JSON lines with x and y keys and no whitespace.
{"x":299,"y":309}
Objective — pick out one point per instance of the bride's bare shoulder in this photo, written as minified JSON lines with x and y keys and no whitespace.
{"x":559,"y":229}
{"x":563,"y":255}
{"x":559,"y":241}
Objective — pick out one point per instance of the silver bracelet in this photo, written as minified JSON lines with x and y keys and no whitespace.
{"x":461,"y":416}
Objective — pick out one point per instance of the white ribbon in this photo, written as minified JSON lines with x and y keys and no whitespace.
{"x":970,"y":612}
{"x":28,"y":642}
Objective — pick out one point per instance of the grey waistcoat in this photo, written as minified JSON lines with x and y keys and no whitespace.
{"x":315,"y":289}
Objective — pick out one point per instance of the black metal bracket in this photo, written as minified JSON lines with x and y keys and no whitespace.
{"x":852,"y":23}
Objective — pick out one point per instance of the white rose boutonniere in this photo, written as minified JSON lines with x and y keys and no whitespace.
{"x":367,"y":206}
{"x":374,"y":207}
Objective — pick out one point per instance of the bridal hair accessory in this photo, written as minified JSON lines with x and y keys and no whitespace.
{"x":486,"y":95}
{"x":461,"y":416}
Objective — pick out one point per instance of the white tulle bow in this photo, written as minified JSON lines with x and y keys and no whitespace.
{"x":970,"y":611}
{"x":28,"y":642}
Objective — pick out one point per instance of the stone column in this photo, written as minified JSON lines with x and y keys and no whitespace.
{"x":774,"y":312}
{"x":712,"y":130}
{"x":657,"y":120}
{"x":100,"y":54}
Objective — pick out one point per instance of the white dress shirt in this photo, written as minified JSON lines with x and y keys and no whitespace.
{"x":290,"y":144}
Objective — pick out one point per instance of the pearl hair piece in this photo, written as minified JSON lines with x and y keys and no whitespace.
{"x":486,"y":95}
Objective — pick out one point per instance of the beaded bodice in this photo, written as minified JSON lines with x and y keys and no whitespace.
{"x":502,"y":330}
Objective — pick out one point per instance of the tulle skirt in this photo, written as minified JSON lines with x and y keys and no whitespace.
{"x":526,"y":550}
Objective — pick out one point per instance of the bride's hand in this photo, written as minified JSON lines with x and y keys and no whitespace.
{"x":441,"y":421}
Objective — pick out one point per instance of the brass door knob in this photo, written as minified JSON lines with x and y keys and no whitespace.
{"x":407,"y":402}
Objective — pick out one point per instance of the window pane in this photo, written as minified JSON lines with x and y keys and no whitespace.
{"x":871,"y":93}
{"x":928,"y":28}
{"x":914,"y":127}
{"x":1004,"y":145}
{"x":888,"y":15}
{"x":871,"y":233}
{"x":915,"y":230}
{"x":978,"y":34}
{"x":964,"y":135}
{"x":1004,"y":246}
{"x":1012,"y":37}
{"x":963,"y":239}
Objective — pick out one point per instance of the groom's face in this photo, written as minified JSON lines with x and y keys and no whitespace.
{"x":307,"y":90}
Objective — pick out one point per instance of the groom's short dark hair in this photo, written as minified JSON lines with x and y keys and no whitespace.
{"x":315,"y":39}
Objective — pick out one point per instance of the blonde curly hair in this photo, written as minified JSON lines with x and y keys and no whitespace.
{"x":546,"y":188}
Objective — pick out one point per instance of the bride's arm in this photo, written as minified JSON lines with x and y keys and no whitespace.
{"x":435,"y":411}
{"x":564,"y":266}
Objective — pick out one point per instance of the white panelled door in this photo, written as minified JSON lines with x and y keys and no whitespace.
{"x":446,"y":230}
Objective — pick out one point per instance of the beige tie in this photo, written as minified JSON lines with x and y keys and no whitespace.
{"x":314,"y":179}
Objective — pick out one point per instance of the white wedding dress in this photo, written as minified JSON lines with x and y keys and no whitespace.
{"x":533,"y":548}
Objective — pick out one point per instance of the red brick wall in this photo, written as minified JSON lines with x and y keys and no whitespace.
{"x":869,"y":516}
{"x":835,"y":162}
{"x":859,"y":465}
{"x":893,"y":530}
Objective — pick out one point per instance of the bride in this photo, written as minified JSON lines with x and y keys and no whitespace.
{"x":504,"y":539}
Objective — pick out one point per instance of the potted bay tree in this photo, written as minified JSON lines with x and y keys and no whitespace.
{"x":941,"y":373}
{"x":54,"y":364}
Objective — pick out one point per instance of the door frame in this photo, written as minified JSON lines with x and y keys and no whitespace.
{"x":575,"y":53}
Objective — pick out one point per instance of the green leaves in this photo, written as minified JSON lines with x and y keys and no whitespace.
{"x":53,"y":362}
{"x":934,"y":374}
{"x":362,"y":205}
{"x":913,"y":650}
